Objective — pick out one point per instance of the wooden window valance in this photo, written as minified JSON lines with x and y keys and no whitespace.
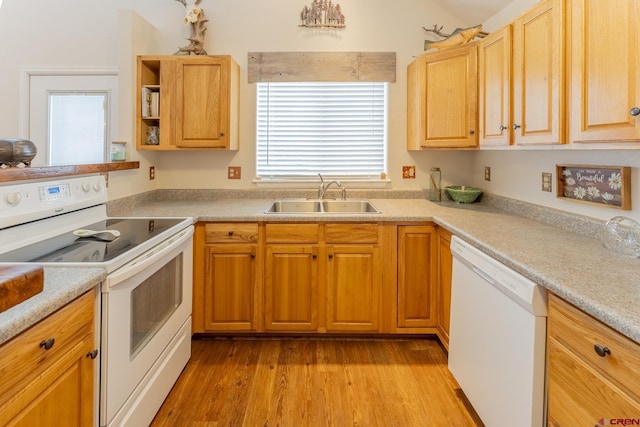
{"x":322,"y":67}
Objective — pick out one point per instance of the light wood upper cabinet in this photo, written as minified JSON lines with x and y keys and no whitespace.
{"x":539,"y":75}
{"x":494,"y":103}
{"x":54,"y":386}
{"x":592,"y":369}
{"x":198,"y":102}
{"x":605,"y":70}
{"x":442,"y":99}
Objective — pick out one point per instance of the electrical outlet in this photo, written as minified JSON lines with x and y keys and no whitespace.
{"x":152,"y":172}
{"x":408,"y":172}
{"x":487,"y":173}
{"x":233,"y":172}
{"x":546,"y":181}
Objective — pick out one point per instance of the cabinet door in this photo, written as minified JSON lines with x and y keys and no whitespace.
{"x":61,"y":396}
{"x":442,"y":99}
{"x":445,"y":267}
{"x":605,"y":70}
{"x":202,"y":102}
{"x":538,"y":75}
{"x":291,"y":288}
{"x":230,"y":288}
{"x":416,"y":276}
{"x":353,"y":285}
{"x":494,"y":63}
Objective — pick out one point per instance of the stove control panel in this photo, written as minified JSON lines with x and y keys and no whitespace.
{"x":30,"y":201}
{"x":55,"y":192}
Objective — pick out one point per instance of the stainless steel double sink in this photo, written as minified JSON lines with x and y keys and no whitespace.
{"x":322,"y":206}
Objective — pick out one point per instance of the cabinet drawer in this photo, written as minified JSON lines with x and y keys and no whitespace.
{"x":578,"y":396}
{"x":24,"y":358}
{"x":292,"y":233}
{"x":351,"y":233}
{"x":231,"y":232}
{"x":579,"y":332}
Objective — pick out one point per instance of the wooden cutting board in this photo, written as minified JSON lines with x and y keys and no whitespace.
{"x":19,"y":283}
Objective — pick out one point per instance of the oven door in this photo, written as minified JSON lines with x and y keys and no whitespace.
{"x":146,"y":330}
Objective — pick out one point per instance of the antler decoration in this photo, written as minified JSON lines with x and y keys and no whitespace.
{"x":195,"y":19}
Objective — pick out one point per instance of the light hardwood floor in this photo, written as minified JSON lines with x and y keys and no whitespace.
{"x":316,"y":382}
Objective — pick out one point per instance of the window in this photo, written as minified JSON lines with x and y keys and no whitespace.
{"x":77,"y":127}
{"x":71,"y":114}
{"x":338,"y":129}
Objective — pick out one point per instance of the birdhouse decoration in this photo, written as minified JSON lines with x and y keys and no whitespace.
{"x":194,"y":17}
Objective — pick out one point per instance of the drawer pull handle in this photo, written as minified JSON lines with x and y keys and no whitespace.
{"x":231,"y":233}
{"x":47,"y":344}
{"x":93,"y":354}
{"x":601,"y":350}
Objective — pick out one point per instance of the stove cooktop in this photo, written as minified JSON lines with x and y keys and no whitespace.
{"x":68,"y":248}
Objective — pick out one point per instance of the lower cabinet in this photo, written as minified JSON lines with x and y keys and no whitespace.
{"x":358,"y":277}
{"x":291,"y":288}
{"x":48,"y":371}
{"x":592,"y":369}
{"x":417,"y":276}
{"x":226,"y":278}
{"x":322,"y":277}
{"x":445,"y":269}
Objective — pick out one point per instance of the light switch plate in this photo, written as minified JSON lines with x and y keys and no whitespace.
{"x":152,"y":173}
{"x":487,"y":173}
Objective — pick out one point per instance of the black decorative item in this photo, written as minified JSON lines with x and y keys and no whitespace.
{"x":14,"y":151}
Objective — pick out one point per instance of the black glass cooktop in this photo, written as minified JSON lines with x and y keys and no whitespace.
{"x":69,"y":248}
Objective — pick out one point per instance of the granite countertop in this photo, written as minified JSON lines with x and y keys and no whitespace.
{"x":570,"y":264}
{"x":61,"y":286}
{"x":574,"y":266}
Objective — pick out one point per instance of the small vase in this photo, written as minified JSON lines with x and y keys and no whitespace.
{"x":153,"y":137}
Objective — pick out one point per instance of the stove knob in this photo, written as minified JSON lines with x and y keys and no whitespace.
{"x":97,"y":187}
{"x":86,"y":187}
{"x":13,"y":198}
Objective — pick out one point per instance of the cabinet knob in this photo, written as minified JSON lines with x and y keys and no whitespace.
{"x":221,"y":133}
{"x":330,"y":256}
{"x":635,"y":111}
{"x":502,"y":127}
{"x":314,"y":256}
{"x":601,"y":350}
{"x":515,"y":126}
{"x":93,"y":354}
{"x":231,"y":233}
{"x":253,"y":256}
{"x":471,"y":131}
{"x":48,"y":343}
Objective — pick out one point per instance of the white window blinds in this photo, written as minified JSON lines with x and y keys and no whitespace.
{"x":336,"y":129}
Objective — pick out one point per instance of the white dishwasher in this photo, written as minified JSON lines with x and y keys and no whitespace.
{"x":497,"y":342}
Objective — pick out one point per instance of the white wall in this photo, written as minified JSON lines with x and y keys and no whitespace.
{"x":91,"y":33}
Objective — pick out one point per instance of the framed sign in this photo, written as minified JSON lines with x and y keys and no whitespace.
{"x":608,"y":186}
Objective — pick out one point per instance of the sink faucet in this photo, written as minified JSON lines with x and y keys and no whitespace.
{"x":322,"y":189}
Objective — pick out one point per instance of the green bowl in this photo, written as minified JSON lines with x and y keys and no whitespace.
{"x":463,"y":193}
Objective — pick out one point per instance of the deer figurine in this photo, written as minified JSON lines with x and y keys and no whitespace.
{"x":195,"y":19}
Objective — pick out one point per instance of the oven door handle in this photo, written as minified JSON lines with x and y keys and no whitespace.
{"x":168,"y":248}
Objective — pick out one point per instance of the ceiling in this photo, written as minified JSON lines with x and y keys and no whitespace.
{"x":474,"y":12}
